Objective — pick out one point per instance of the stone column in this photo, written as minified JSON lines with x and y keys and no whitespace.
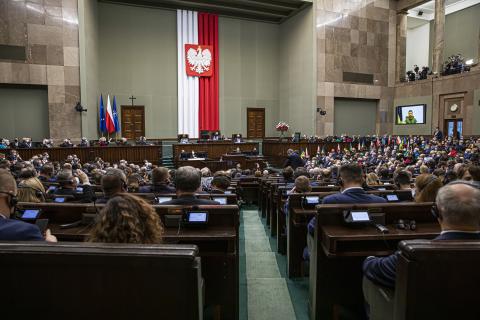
{"x":401,"y":59}
{"x":439,"y":36}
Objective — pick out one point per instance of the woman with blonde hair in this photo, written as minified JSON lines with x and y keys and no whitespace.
{"x":127,"y":219}
{"x":426,"y":187}
{"x":372,"y":179}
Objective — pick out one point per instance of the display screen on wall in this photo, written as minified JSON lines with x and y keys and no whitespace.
{"x":413,"y":114}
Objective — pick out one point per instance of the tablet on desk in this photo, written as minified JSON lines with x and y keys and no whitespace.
{"x":59,"y":200}
{"x":163,"y":199}
{"x":392,"y":197}
{"x":220,"y":200}
{"x":312,"y":200}
{"x":30,"y":214}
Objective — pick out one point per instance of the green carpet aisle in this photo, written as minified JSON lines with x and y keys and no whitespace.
{"x":265,"y":293}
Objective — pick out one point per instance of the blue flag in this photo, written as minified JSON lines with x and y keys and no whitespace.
{"x":115,"y":115}
{"x":103,"y":125}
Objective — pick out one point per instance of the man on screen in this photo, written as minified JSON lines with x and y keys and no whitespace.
{"x":410,"y":119}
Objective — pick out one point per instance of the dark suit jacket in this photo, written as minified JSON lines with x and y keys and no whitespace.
{"x":190,"y":200}
{"x":157,"y":188}
{"x":87,"y":196}
{"x":294,"y":161}
{"x":383,"y":270}
{"x":15,"y":230}
{"x":356,"y":195}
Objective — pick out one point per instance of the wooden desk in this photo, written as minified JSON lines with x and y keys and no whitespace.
{"x":136,"y":154}
{"x":218,"y":245}
{"x":339,"y":251}
{"x":214,"y":149}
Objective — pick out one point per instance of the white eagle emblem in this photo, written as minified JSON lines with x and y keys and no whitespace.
{"x":199,"y":60}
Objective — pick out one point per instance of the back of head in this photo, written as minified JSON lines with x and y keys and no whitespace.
{"x":127,"y":219}
{"x":302,"y":184}
{"x":65,"y":178}
{"x":27,"y":173}
{"x":372,"y":179}
{"x":351,"y":174}
{"x":159,"y":175}
{"x":47,"y":170}
{"x":187,"y":179}
{"x":300,"y":171}
{"x":205,"y":172}
{"x":403,"y":178}
{"x":31,"y":190}
{"x":114,"y":181}
{"x":287,"y":173}
{"x":459,"y":205}
{"x":471,"y":173}
{"x":221,"y":182}
{"x":427,"y":186}
{"x":8,"y":185}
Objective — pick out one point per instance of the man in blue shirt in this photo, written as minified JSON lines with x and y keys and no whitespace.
{"x":458,"y":206}
{"x":10,"y":229}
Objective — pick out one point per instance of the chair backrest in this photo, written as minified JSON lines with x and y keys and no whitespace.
{"x":100,"y":281}
{"x":438,"y":280}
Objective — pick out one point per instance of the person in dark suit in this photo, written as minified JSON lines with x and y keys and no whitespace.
{"x":68,"y":186}
{"x":114,"y":182}
{"x":457,"y":208}
{"x":160,"y":182}
{"x":15,"y":230}
{"x":187,"y":181}
{"x":293,"y":160}
{"x":350,"y":181}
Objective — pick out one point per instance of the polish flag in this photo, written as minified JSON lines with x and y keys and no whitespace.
{"x":109,"y":117}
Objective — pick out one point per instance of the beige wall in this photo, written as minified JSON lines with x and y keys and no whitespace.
{"x":138,"y":55}
{"x":249,"y":73}
{"x":89,"y":72}
{"x":462,"y":33}
{"x":298,"y":72}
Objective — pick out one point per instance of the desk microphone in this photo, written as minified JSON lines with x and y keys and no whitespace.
{"x":381,"y":228}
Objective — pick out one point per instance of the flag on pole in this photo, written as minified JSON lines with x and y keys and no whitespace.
{"x":318,"y":149}
{"x":101,"y":117}
{"x":306,"y":153}
{"x":110,"y":125}
{"x":115,"y":115}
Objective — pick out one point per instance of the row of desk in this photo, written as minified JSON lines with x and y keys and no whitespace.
{"x":335,"y":273}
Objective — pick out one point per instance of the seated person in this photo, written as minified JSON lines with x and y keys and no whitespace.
{"x":457,"y":208}
{"x":122,"y":142}
{"x":4,"y":144}
{"x":103,"y":142}
{"x":68,"y":186}
{"x":426,"y":187}
{"x":46,"y":173}
{"x":220,"y":184}
{"x":30,"y":189}
{"x":187,"y":182}
{"x":11,"y":229}
{"x":127,"y":219}
{"x":350,"y":181}
{"x":160,"y":182}
{"x":184,"y":139}
{"x":372,"y":179}
{"x":142,"y":141}
{"x":133,"y":183}
{"x":403,"y":180}
{"x":114,"y":182}
{"x":293,"y":160}
{"x":287,"y":174}
{"x":302,"y":185}
{"x":237,"y":138}
{"x":25,"y":143}
{"x":84,"y":143}
{"x":470,"y":173}
{"x":67,"y":143}
{"x":216,"y":136}
{"x":47,"y":143}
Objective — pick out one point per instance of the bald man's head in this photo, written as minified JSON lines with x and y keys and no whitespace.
{"x":7,"y":183}
{"x":459,"y":205}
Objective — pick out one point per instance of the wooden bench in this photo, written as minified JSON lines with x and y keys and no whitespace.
{"x":437,"y":280}
{"x":100,"y":281}
{"x":218,"y":244}
{"x":339,"y":251}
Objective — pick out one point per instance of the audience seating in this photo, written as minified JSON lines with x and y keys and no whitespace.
{"x":338,"y":252}
{"x":437,"y":280}
{"x":218,"y":244}
{"x":100,"y":281}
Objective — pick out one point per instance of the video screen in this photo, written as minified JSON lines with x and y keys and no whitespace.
{"x":360,"y":216}
{"x":164,"y":199}
{"x":30,"y":214}
{"x":414,"y":114}
{"x":312,"y":200}
{"x":197,"y":217}
{"x":220,"y":200}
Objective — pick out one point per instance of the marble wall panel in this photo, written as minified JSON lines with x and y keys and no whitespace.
{"x":49,"y":31}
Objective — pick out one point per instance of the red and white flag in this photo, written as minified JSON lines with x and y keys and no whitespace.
{"x":110,"y":125}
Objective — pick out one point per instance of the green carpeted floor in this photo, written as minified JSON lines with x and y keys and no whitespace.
{"x":265,"y":292}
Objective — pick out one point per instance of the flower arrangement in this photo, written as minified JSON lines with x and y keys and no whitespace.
{"x":282,"y":126}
